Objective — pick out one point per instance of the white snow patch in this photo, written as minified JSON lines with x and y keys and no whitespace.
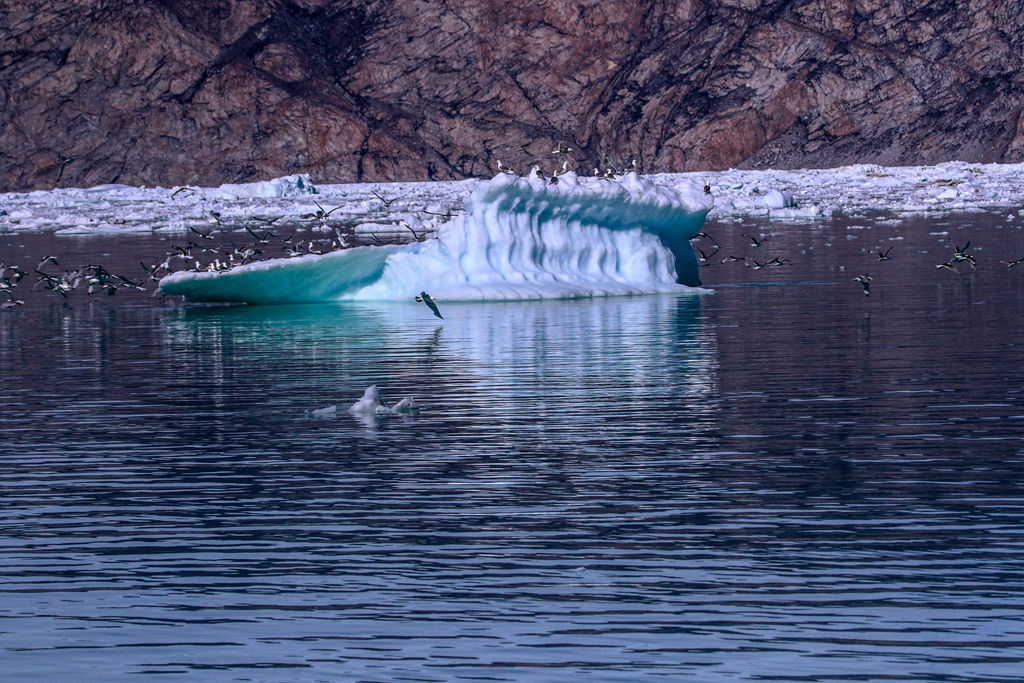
{"x":815,"y":193}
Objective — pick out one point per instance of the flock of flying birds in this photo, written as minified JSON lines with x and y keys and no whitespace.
{"x":209,"y":250}
{"x":202,"y":254}
{"x":961,"y":255}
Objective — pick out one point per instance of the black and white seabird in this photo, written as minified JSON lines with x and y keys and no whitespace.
{"x":429,"y":301}
{"x":960,"y":255}
{"x":203,"y":235}
{"x":387,"y":202}
{"x":63,"y":164}
{"x":48,"y":259}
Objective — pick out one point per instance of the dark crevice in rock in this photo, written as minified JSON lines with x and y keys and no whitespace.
{"x":329,"y":42}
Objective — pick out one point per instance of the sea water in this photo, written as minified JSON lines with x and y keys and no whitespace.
{"x":785,"y":478}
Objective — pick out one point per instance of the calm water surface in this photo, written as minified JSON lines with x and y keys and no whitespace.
{"x":782,"y":480}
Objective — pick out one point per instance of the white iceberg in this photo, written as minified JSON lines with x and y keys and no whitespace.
{"x":287,"y":186}
{"x":520,"y":238}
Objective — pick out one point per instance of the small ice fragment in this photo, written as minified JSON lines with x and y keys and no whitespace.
{"x":776,"y":199}
{"x":369,"y":403}
{"x":324,"y":413}
{"x":406,"y":406}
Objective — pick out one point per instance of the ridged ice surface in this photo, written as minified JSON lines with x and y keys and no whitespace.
{"x":521,"y":238}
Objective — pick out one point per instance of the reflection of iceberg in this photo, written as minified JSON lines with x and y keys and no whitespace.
{"x":521,"y":238}
{"x":494,"y":367}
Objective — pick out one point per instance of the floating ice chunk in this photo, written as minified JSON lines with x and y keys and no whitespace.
{"x":110,"y":188}
{"x":777,"y":199}
{"x":406,"y":406}
{"x":288,"y":186}
{"x":370,"y":403}
{"x":104,"y":229}
{"x":771,"y":202}
{"x":810,"y":211}
{"x":324,"y":413}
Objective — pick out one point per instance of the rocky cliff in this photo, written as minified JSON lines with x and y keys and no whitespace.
{"x":210,"y":91}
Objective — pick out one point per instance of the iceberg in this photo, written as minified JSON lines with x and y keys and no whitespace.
{"x":520,"y":238}
{"x":288,"y":186}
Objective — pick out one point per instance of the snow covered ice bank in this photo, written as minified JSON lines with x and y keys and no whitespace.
{"x":521,"y":238}
{"x":785,"y":195}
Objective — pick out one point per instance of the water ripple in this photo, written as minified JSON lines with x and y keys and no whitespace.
{"x":766,"y":483}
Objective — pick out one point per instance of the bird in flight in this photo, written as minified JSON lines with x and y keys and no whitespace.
{"x":865,"y":281}
{"x":429,"y":301}
{"x":960,"y":254}
{"x":63,"y":164}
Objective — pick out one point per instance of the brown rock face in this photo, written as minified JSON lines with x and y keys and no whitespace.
{"x":210,"y":91}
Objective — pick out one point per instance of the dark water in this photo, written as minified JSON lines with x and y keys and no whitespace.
{"x":783,"y":480}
